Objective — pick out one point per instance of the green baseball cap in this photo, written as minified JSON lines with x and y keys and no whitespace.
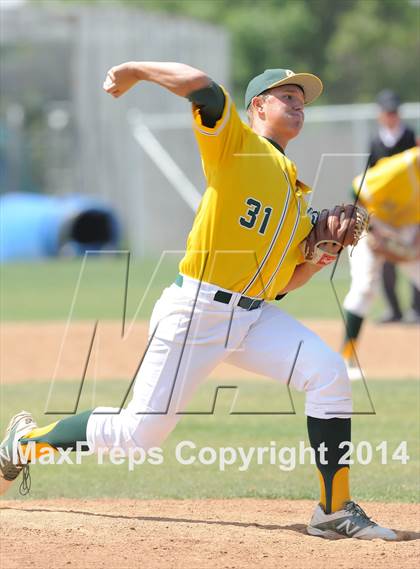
{"x":310,"y":84}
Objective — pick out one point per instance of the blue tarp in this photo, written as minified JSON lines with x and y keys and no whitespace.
{"x":33,"y":226}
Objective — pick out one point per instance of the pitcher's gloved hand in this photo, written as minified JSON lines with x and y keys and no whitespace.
{"x":332,"y":230}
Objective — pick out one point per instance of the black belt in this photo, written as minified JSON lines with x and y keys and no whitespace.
{"x":245,"y":302}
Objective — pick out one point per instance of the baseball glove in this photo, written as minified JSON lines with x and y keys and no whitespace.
{"x":392,"y":244}
{"x":332,"y":230}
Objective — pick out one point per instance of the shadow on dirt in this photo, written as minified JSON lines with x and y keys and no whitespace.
{"x":403,"y":535}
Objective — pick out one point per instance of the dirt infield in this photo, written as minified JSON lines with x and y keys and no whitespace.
{"x":193,"y":534}
{"x":30,"y":351}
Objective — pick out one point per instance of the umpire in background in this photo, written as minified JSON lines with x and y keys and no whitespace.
{"x":393,"y":137}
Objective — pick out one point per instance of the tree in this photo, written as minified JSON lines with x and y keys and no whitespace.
{"x":357,"y":47}
{"x":375,"y":45}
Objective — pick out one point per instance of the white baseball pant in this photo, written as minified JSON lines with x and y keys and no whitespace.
{"x":264,"y":341}
{"x":365,"y":270}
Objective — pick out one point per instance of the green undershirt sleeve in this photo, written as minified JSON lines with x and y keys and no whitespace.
{"x":211,"y":102}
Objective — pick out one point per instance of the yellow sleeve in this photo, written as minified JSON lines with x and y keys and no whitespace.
{"x":391,"y":188}
{"x":218,"y":143}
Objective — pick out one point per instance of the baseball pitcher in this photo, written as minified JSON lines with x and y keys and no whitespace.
{"x":253,"y":241}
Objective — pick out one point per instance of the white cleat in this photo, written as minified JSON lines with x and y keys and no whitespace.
{"x":10,"y":465}
{"x":352,"y":521}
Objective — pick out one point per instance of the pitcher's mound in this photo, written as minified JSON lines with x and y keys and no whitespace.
{"x":240,"y":533}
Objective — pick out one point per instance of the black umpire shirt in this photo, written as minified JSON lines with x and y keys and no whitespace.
{"x":379,"y":150}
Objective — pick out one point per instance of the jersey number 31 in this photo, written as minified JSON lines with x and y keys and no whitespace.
{"x":252,"y":215}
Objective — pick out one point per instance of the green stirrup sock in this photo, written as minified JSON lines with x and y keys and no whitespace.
{"x":63,"y":434}
{"x":353,"y":325}
{"x":331,"y":432}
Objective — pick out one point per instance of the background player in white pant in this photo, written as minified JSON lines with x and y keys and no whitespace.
{"x":393,"y":137}
{"x":391,"y":194}
{"x":245,"y":248}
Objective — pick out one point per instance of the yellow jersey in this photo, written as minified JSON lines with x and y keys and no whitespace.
{"x":253,"y":214}
{"x":391,"y":189}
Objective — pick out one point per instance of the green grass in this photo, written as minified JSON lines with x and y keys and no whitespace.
{"x":396,"y":419}
{"x":45,"y":290}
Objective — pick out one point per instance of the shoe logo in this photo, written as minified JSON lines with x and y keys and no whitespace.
{"x":348,"y":527}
